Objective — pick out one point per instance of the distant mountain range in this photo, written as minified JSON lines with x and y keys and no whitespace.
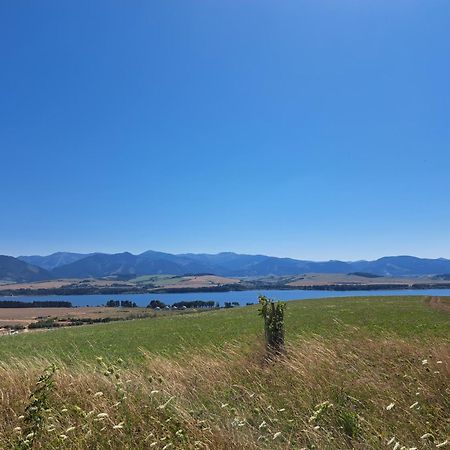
{"x":13,"y":269}
{"x":97,"y":265}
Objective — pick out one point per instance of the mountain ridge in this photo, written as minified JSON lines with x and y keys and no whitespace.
{"x":98,"y":265}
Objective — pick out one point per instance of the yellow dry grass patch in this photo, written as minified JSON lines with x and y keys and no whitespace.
{"x":351,"y":392}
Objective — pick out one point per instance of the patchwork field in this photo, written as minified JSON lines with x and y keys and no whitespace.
{"x":25,"y":316}
{"x":198,"y":283}
{"x":364,"y":373}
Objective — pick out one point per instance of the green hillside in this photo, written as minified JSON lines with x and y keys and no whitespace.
{"x":168,"y":335}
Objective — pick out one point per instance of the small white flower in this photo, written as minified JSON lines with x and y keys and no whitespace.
{"x":424,"y":362}
{"x":426,"y":436}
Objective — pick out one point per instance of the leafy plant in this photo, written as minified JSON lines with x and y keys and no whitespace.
{"x":273,"y":315}
{"x":34,"y":417}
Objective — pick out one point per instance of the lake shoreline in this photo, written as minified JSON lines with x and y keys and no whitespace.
{"x":214,"y":289}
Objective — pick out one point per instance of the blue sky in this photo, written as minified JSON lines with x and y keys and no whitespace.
{"x":311,"y":129}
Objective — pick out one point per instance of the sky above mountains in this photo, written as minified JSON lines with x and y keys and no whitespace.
{"x":313,"y":130}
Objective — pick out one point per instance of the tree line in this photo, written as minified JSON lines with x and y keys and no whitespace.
{"x":184,"y":304}
{"x":34,"y":304}
{"x":121,"y":303}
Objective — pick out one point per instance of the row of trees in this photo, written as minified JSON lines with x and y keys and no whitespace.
{"x":34,"y":304}
{"x":121,"y":303}
{"x":184,"y":304}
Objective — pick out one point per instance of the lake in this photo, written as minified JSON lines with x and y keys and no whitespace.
{"x":242,"y":297}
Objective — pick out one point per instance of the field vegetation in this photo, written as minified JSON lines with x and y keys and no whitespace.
{"x":363,"y":373}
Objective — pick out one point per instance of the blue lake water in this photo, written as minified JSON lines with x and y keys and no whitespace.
{"x":242,"y":297}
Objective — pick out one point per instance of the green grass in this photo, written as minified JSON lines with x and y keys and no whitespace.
{"x":358,"y":373}
{"x":406,"y":317}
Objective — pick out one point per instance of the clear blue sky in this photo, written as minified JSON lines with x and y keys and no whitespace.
{"x":311,"y":129}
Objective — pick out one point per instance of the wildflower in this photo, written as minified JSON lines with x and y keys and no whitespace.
{"x":390,"y":406}
{"x":427,"y":436}
{"x":278,"y":433}
{"x":165,"y":404}
{"x":442,"y":444}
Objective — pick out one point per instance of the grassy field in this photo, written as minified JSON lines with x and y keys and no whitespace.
{"x":364,"y":373}
{"x":172,"y":334}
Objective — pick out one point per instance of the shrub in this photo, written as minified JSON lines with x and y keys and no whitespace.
{"x":273,"y":315}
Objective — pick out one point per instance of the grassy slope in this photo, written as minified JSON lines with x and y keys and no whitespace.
{"x":401,"y":316}
{"x":346,"y":361}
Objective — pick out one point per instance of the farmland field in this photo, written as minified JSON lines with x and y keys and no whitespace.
{"x":357,"y":373}
{"x":25,"y":316}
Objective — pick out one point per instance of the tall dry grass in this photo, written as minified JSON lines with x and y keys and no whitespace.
{"x":351,"y":392}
